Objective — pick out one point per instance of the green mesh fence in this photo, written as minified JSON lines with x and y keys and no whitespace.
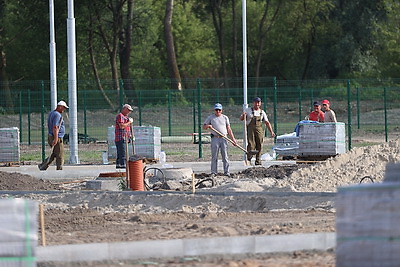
{"x":365,"y":106}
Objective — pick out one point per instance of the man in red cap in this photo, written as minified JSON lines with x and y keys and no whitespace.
{"x":329,"y":115}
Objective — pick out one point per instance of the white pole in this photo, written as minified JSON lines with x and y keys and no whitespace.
{"x":52,"y":47}
{"x":245,"y":105}
{"x":72,"y":84}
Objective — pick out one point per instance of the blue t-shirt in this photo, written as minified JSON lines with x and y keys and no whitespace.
{"x":55,"y":118}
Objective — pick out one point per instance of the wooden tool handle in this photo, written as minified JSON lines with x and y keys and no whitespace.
{"x":228,"y":139}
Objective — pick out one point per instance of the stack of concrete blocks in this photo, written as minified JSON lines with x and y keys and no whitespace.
{"x":9,"y":145}
{"x":147,"y":142}
{"x":287,"y":145}
{"x":367,"y":222}
{"x":18,"y":232}
{"x":322,"y":139}
{"x":112,"y":149}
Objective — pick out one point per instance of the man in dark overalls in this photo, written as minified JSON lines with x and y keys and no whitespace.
{"x":255,"y":117}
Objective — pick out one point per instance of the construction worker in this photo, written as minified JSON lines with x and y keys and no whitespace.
{"x":255,"y":117}
{"x":220,"y":123}
{"x":122,"y":134}
{"x":56,"y":132}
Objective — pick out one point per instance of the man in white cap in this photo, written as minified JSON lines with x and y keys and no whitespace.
{"x":219,"y":122}
{"x":122,"y":134}
{"x":56,"y":132}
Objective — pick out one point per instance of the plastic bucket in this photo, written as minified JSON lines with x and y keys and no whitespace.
{"x":136,"y":182}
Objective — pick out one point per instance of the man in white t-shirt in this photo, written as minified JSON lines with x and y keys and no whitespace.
{"x":219,"y":122}
{"x":329,"y":115}
{"x":255,"y":117}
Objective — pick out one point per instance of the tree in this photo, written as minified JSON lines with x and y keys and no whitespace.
{"x":170,"y":47}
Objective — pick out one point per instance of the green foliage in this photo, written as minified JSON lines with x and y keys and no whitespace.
{"x":300,"y":39}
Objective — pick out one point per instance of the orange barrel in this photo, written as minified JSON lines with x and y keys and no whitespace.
{"x":136,"y":182}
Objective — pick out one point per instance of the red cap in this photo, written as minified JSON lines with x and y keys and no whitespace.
{"x":325,"y":101}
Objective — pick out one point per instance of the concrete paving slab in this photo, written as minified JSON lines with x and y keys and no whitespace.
{"x":107,"y":185}
{"x":186,"y":247}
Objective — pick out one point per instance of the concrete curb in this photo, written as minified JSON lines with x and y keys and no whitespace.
{"x":186,"y":247}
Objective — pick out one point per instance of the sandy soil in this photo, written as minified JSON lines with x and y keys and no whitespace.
{"x":277,"y":200}
{"x":73,"y":216}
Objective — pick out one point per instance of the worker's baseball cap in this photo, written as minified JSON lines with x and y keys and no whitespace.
{"x":316,"y":103}
{"x":217,"y":106}
{"x":257,"y":99}
{"x":62,"y":103}
{"x":128,"y":107}
{"x":326,"y":101}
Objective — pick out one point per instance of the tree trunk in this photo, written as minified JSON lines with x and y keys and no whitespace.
{"x":263,"y":30}
{"x":218,"y":25}
{"x":94,"y":67}
{"x":169,"y":41}
{"x":4,"y":85}
{"x":125,"y":46}
{"x":234,"y":40}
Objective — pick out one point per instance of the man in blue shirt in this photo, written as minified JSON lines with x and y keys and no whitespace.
{"x":56,"y":131}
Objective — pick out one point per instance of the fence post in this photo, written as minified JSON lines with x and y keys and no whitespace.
{"x":194,"y":113}
{"x":199,"y":116}
{"x":42,"y":122}
{"x":20,"y":116}
{"x":385,"y":105}
{"x":300,"y":100}
{"x":349,"y":112}
{"x":140,"y":107}
{"x":84,"y":114}
{"x":265,"y":107}
{"x":275,"y":105}
{"x":29,"y":116}
{"x":358,"y":107}
{"x":169,"y":113}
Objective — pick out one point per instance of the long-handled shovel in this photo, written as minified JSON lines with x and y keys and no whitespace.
{"x":252,"y":152}
{"x":128,"y":182}
{"x":45,"y":164}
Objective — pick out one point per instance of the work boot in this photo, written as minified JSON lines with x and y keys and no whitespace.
{"x":43,"y":167}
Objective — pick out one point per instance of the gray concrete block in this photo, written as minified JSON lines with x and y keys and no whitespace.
{"x":219,"y":245}
{"x":286,"y":243}
{"x":107,"y":185}
{"x":76,"y":252}
{"x":146,"y":249}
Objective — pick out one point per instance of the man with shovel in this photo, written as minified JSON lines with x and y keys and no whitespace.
{"x":122,"y":134}
{"x":220,"y":127}
{"x":56,"y":131}
{"x":255,"y":117}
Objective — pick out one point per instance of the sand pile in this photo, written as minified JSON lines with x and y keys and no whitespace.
{"x":344,"y":169}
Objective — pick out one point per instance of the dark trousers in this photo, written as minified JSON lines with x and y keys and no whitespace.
{"x":121,"y":152}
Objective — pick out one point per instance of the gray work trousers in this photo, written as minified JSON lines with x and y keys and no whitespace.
{"x":218,"y":144}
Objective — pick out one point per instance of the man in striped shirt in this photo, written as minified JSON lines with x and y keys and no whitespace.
{"x":122,"y":134}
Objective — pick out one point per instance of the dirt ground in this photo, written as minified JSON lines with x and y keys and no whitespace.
{"x":67,"y":223}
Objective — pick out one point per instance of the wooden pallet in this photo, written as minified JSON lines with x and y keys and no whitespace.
{"x":10,"y":164}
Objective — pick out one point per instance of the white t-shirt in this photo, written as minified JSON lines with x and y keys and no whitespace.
{"x":251,"y":113}
{"x":330,"y":116}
